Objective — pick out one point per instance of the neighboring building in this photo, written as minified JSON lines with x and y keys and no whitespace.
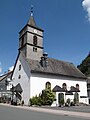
{"x":5,"y":84}
{"x":34,"y":71}
{"x":88,"y":88}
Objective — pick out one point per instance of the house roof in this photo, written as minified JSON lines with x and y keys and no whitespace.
{"x":18,"y":88}
{"x":88,"y":80}
{"x":73,"y":89}
{"x":68,"y":93}
{"x":56,"y":67}
{"x":5,"y":75}
{"x":58,"y":89}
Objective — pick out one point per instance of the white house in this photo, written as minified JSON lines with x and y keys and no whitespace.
{"x":34,"y":71}
{"x":5,"y":85}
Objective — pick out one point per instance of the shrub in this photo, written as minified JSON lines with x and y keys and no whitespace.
{"x":36,"y":100}
{"x":46,"y":98}
{"x":61,"y":102}
{"x":68,"y":101}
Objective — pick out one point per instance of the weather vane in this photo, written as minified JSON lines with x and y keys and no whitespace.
{"x":32,"y":10}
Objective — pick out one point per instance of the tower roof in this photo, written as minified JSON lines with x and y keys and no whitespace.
{"x":31,"y":20}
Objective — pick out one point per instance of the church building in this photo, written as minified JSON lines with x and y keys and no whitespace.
{"x":34,"y":70}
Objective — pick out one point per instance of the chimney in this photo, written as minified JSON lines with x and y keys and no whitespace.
{"x":44,"y":61}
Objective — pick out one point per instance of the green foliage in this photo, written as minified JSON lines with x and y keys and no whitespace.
{"x":68,"y":100}
{"x":76,"y":98}
{"x":75,"y":101}
{"x":46,"y":98}
{"x":61,"y":99}
{"x":84,"y":67}
{"x":61,"y":102}
{"x":36,"y":100}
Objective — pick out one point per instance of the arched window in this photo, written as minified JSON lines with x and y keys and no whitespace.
{"x":48,"y":85}
{"x":64,"y":86}
{"x":77,"y":86}
{"x":35,"y":40}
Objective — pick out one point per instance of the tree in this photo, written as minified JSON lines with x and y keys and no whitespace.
{"x":84,"y":67}
{"x":47,"y":97}
{"x":36,"y":100}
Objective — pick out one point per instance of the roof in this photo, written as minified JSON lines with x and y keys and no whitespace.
{"x":73,"y":89}
{"x":88,"y":80}
{"x":68,"y":93}
{"x":58,"y":89}
{"x":56,"y":67}
{"x":17,"y":88}
{"x":5,"y":75}
{"x":31,"y":21}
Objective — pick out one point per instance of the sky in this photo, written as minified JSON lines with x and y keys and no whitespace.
{"x":66,"y":25}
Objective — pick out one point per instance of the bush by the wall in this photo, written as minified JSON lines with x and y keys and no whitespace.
{"x":46,"y":98}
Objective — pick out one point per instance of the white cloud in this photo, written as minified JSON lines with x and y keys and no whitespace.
{"x":86,"y":6}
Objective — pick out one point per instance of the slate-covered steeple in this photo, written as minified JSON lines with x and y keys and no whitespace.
{"x":31,"y":20}
{"x":31,"y":39}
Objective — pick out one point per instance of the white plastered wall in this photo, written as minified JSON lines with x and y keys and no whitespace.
{"x":38,"y":84}
{"x":24,"y":80}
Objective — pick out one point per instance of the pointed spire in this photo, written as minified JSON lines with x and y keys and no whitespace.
{"x":31,"y":20}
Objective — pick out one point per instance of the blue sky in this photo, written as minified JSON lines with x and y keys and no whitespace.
{"x":66,"y":27}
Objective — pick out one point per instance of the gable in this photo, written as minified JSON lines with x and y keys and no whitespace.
{"x":20,"y":67}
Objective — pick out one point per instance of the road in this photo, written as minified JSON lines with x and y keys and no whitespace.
{"x":14,"y":113}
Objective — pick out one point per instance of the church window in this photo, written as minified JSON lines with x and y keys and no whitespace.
{"x":19,"y":76}
{"x":48,"y":85}
{"x":64,"y":86}
{"x":77,"y":86}
{"x":19,"y":67}
{"x":34,"y":49}
{"x":35,"y":40}
{"x":22,"y":41}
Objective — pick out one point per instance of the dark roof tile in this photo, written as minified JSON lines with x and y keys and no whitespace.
{"x":58,"y":89}
{"x":56,"y":67}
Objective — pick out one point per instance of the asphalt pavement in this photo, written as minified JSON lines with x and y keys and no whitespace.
{"x":8,"y":112}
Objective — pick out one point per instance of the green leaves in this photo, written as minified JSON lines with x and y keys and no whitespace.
{"x":84,"y":67}
{"x":46,"y":98}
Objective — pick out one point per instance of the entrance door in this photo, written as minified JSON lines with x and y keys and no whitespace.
{"x":76,"y":98}
{"x":61,"y":99}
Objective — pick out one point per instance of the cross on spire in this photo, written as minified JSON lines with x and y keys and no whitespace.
{"x":31,"y":10}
